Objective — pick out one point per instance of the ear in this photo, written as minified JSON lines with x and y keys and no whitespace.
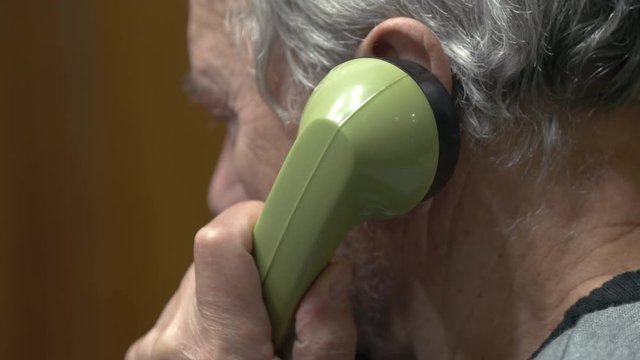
{"x":407,"y":38}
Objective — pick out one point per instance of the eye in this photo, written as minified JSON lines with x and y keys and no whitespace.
{"x":213,"y":97}
{"x":221,"y":112}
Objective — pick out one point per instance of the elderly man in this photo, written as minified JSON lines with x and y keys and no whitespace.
{"x":530,"y":251}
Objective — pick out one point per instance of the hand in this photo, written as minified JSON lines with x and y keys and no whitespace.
{"x":218,"y":313}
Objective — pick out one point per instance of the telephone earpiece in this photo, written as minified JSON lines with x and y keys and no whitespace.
{"x":377,"y":136}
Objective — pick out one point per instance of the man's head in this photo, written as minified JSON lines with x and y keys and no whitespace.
{"x":516,"y":67}
{"x":527,"y":77}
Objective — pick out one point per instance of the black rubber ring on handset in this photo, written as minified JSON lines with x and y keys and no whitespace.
{"x":446,"y":117}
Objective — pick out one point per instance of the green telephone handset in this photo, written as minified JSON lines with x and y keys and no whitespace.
{"x":376,"y":137}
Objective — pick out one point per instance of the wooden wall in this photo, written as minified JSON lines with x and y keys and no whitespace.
{"x":104,"y":164}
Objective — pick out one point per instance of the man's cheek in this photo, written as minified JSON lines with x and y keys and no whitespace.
{"x":225,"y":188}
{"x":250,"y":170}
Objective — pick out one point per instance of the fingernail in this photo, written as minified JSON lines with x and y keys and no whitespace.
{"x":340,"y":284}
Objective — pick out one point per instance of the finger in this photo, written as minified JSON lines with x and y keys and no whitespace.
{"x":222,"y":254}
{"x":141,"y":349}
{"x":325,"y":328}
{"x":228,"y":291}
{"x":185,"y":291}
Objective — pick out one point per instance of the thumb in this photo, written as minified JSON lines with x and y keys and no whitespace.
{"x":325,"y":328}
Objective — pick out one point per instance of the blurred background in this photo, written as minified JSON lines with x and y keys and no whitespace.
{"x":104,"y":165}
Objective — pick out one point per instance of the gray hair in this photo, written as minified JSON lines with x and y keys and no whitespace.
{"x":516,"y":63}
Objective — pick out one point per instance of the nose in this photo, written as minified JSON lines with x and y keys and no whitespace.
{"x":225,"y":188}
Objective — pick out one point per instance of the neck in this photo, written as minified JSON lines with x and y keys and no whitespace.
{"x":521,"y":249}
{"x":506,"y":252}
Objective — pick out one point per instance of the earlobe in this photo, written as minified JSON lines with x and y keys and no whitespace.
{"x":407,"y":38}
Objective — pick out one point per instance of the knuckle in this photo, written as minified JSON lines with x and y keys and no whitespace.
{"x":211,"y":239}
{"x":209,"y":236}
{"x":215,"y":241}
{"x":140,"y":349}
{"x":131,"y":353}
{"x":310,"y":311}
{"x":169,"y":345}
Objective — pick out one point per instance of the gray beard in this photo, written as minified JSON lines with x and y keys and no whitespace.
{"x":378,"y":298}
